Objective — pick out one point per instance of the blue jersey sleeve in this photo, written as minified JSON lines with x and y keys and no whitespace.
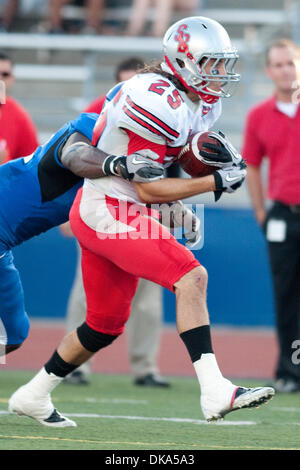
{"x":113,"y":91}
{"x":37,"y":192}
{"x":85,"y":124}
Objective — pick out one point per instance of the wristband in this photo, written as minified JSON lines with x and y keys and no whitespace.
{"x":109,"y":166}
{"x":218,"y":181}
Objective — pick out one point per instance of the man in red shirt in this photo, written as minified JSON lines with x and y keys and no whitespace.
{"x":18,"y":136}
{"x":273,"y":130}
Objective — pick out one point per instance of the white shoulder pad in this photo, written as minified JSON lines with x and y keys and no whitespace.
{"x":153,"y":109}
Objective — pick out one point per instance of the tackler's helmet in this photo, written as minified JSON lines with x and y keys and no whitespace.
{"x":189,"y":45}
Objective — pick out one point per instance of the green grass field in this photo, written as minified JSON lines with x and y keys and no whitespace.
{"x":113,"y":414}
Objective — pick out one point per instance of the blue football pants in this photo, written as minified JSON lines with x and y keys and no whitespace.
{"x":12,"y":308}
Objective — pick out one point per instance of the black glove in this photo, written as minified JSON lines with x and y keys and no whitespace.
{"x":220,"y":155}
{"x":134,"y":167}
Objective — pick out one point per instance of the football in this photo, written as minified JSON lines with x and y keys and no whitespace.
{"x":189,"y":157}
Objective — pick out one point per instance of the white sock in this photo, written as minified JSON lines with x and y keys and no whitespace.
{"x":208,"y":372}
{"x":43,"y":383}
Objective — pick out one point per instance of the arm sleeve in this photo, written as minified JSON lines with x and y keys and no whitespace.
{"x":253,"y":149}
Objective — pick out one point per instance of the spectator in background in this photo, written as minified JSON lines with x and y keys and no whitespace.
{"x":10,"y":9}
{"x":18,"y":136}
{"x":144,"y":325}
{"x":273,"y":130}
{"x":125,"y":70}
{"x":94,"y":9}
{"x":162,"y":14}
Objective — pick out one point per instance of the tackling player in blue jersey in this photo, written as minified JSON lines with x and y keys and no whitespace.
{"x":36,"y":194}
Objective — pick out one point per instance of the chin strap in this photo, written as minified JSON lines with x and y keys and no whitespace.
{"x":208,"y":98}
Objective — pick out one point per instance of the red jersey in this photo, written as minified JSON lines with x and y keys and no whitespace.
{"x":18,"y":136}
{"x":96,"y":105}
{"x":272,"y":134}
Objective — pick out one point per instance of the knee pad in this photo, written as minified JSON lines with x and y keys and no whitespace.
{"x":93,"y":340}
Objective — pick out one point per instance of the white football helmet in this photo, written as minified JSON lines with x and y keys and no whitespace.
{"x":189,"y":45}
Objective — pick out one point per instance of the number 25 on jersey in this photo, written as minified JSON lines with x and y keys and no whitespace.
{"x":159,"y":87}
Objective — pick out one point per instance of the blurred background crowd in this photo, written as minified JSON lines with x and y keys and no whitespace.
{"x":95,"y":16}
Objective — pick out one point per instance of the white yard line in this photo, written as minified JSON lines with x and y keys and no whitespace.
{"x":151,"y":418}
{"x":116,"y":401}
{"x":286,"y":408}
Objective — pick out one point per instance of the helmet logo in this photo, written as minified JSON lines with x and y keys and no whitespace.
{"x":182,"y":37}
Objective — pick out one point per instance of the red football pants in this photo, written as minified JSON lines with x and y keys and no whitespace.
{"x":113,"y":263}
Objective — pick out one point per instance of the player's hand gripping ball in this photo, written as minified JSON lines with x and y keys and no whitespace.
{"x":206,"y":152}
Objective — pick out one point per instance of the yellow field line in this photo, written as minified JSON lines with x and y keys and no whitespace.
{"x":150,"y":444}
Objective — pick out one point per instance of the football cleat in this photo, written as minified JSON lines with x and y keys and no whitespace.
{"x":234,"y":399}
{"x":24,"y":403}
{"x":151,"y":380}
